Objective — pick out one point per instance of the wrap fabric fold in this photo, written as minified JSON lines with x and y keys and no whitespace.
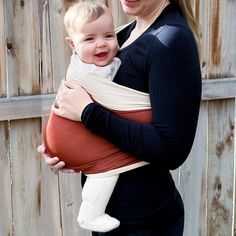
{"x":77,"y":146}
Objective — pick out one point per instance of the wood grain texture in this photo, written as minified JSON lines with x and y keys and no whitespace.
{"x":3,"y":47}
{"x":219,"y":38}
{"x":60,"y":52}
{"x":5,"y":181}
{"x":34,"y":59}
{"x":26,"y":176}
{"x":220,"y":171}
{"x":193,"y":180}
{"x":70,"y":195}
{"x":46,"y":59}
{"x":23,"y":60}
{"x":25,"y":106}
{"x":39,"y":105}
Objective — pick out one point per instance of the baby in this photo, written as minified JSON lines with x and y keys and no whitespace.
{"x":93,"y":65}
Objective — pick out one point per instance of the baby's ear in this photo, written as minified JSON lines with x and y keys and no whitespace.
{"x":70,"y":43}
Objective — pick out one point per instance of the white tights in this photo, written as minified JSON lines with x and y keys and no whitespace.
{"x":95,"y":197}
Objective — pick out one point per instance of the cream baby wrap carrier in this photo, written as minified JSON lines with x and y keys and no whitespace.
{"x":98,"y":82}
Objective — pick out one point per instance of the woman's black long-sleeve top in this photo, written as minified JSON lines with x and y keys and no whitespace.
{"x":163,"y":62}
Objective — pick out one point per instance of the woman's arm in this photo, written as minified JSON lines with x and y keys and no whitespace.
{"x":174,"y":80}
{"x":175,"y":93}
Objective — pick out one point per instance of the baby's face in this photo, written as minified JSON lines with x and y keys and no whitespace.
{"x":95,"y":42}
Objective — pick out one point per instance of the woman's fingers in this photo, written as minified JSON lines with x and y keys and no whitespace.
{"x":41,"y":149}
{"x":64,"y":170}
{"x":57,"y":165}
{"x":53,"y":162}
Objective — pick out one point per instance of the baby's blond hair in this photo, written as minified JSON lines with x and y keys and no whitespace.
{"x":81,"y":13}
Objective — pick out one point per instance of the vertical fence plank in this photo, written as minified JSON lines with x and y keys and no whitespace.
{"x":193,"y":181}
{"x":46,"y":70}
{"x":50,"y":200}
{"x":5,"y":182}
{"x":50,"y":203}
{"x":219,"y":37}
{"x":118,"y":14}
{"x":234,"y":192}
{"x":34,"y":54}
{"x":70,"y":190}
{"x":220,"y":179}
{"x":60,"y":51}
{"x":50,"y":206}
{"x":23,"y":60}
{"x":70,"y":194}
{"x":26,"y":180}
{"x":3,"y":81}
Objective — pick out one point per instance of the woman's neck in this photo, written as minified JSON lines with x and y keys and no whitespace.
{"x":143,"y":22}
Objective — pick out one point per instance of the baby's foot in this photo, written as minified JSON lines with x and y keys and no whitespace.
{"x":103,"y":223}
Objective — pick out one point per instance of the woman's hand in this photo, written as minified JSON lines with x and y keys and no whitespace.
{"x":71,"y":100}
{"x":53,"y":162}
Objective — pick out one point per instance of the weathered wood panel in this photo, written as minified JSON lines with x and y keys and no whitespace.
{"x":46,"y":70}
{"x":25,"y":106}
{"x":34,"y":57}
{"x":5,"y":182}
{"x":5,"y":179}
{"x":26,"y":180}
{"x":70,"y":190}
{"x":192,"y":180}
{"x":23,"y":60}
{"x":219,"y":60}
{"x":118,"y":14}
{"x":219,"y":88}
{"x":39,"y":105}
{"x":50,"y":216}
{"x":60,"y":52}
{"x":219,"y":38}
{"x":3,"y":81}
{"x":220,"y":172}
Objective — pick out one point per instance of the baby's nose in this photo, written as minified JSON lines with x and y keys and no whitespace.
{"x":101,"y":43}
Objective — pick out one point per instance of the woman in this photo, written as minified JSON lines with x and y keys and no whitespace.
{"x":159,"y":56}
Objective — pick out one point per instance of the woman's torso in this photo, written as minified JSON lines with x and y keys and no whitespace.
{"x":144,"y":194}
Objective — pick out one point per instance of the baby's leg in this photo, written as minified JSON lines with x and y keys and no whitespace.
{"x":95,"y":196}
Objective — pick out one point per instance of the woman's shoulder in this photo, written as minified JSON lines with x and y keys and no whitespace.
{"x":171,"y":39}
{"x":171,"y":25}
{"x":171,"y":34}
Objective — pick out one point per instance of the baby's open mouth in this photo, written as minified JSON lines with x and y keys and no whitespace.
{"x":101,"y":55}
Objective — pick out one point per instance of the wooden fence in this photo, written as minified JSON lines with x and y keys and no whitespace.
{"x":33,"y":59}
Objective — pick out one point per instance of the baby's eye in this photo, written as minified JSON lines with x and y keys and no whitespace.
{"x":110,"y":36}
{"x":89,"y":39}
